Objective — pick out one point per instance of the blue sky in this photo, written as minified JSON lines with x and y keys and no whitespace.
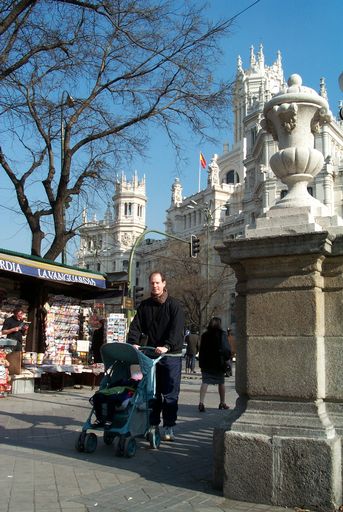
{"x":309,"y":35}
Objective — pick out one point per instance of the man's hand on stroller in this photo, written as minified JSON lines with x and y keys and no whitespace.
{"x":161,"y":350}
{"x":156,"y":350}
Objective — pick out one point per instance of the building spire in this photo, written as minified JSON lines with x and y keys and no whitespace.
{"x":84,"y":215}
{"x":108,"y":214}
{"x":260,"y":57}
{"x":278,"y":59}
{"x":322,"y":89}
{"x":252,"y":57}
{"x":239,"y":65}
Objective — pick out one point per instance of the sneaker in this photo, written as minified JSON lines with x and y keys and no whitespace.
{"x":201,"y":407}
{"x":168,"y":434}
{"x":98,"y":424}
{"x":152,"y":429}
{"x":223,"y":405}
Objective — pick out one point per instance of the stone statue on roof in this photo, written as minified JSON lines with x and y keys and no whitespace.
{"x":213,"y":171}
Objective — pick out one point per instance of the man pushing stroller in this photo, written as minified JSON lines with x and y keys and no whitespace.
{"x":161,"y":319}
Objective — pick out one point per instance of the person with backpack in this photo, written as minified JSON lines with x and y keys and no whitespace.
{"x":213,"y":356}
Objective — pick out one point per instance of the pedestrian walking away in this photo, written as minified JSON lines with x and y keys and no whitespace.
{"x":193,"y":342}
{"x":159,"y":323}
{"x":213,"y":356}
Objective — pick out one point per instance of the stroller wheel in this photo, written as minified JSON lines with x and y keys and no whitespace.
{"x":130,"y":447}
{"x":80,"y":442}
{"x":108,"y":438}
{"x":90,"y":443}
{"x":118,"y":444}
{"x":154,"y":438}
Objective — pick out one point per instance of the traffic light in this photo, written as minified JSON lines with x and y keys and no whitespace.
{"x":194,"y":246}
{"x":138,"y":293}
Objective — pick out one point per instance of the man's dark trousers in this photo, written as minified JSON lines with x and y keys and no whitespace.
{"x":168,"y":379}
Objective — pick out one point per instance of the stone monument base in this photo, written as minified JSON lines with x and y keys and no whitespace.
{"x":283,"y":443}
{"x":282,"y":453}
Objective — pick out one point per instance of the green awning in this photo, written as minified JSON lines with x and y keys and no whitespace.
{"x":47,"y":270}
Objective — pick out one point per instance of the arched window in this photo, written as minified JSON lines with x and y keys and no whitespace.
{"x":128,"y":209}
{"x":231,"y":177}
{"x":125,"y":264}
{"x":253,"y":133}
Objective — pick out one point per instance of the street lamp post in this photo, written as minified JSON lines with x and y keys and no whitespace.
{"x":68,"y":100}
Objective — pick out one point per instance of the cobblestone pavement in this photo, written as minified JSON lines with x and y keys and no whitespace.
{"x":40,"y":470}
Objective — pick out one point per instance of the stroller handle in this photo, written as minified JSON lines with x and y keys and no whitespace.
{"x":150,"y":352}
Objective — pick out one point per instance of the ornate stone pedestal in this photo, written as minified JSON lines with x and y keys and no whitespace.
{"x":294,"y":220}
{"x":293,"y":117}
{"x":283,"y":442}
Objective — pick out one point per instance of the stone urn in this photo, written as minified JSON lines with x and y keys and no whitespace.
{"x":293,"y":116}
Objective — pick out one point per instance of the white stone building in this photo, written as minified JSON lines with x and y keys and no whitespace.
{"x":241,"y":186}
{"x":241,"y":177}
{"x":106,"y":244}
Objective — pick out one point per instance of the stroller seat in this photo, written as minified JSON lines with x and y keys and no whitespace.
{"x":109,"y":401}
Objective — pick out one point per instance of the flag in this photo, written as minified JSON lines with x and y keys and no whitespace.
{"x":202,"y":161}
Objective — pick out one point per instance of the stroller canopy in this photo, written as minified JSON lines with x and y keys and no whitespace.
{"x":126,"y":353}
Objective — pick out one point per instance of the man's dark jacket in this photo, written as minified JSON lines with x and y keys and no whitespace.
{"x":162,"y":324}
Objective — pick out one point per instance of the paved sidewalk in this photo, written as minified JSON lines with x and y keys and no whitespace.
{"x":40,"y":469}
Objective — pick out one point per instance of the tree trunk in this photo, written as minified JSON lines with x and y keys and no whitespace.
{"x":36,"y":244}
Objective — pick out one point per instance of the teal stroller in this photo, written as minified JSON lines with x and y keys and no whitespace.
{"x":120,"y":408}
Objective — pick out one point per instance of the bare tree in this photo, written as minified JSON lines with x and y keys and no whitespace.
{"x":22,"y":38}
{"x":128,"y":64}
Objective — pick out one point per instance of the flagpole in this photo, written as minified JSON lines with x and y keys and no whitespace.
{"x":202,"y":164}
{"x":199,"y":174}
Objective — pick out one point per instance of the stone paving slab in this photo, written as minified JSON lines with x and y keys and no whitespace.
{"x":40,"y":470}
